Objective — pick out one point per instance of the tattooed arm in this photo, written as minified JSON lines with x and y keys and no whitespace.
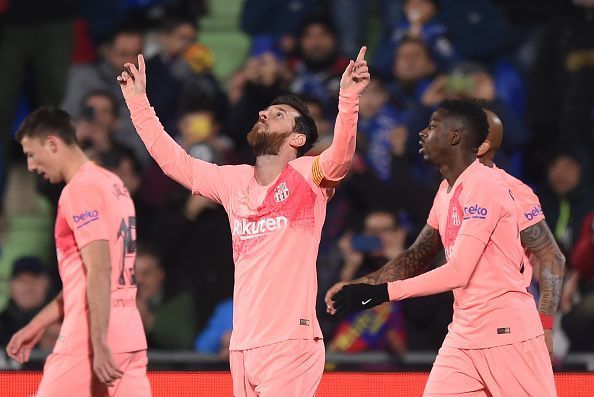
{"x":539,"y":240}
{"x":541,"y":243}
{"x":411,"y":262}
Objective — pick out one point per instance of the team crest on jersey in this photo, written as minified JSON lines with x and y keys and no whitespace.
{"x":455,"y":217}
{"x":281,"y":192}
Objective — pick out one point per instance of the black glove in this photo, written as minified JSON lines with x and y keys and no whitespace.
{"x":354,"y":297}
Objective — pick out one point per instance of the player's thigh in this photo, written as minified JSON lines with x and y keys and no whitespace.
{"x":134,"y":382}
{"x":289,"y":368}
{"x":65,"y":375}
{"x":241,"y":385}
{"x":454,"y":374}
{"x":520,"y":369}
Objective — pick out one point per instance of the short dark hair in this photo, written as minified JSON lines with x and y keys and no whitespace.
{"x":318,"y":19}
{"x":304,"y":124}
{"x":105,"y":94}
{"x":471,"y":115}
{"x":45,"y":121}
{"x":488,"y":105}
{"x":144,"y":249}
{"x":125,"y":28}
{"x":175,"y":20}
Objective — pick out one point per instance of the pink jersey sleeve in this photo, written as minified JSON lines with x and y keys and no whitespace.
{"x":333,"y":163}
{"x":454,"y":274}
{"x":529,"y":204}
{"x":201,"y":177}
{"x":481,"y":213}
{"x":86,"y":212}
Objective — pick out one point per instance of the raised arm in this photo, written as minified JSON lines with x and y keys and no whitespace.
{"x":172,"y":158}
{"x":333,"y":163}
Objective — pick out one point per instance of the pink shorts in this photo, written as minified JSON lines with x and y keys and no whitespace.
{"x":289,"y":368}
{"x":518,"y":370}
{"x":66,"y":375}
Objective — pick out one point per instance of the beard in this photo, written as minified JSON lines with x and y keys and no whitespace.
{"x":263,"y":142}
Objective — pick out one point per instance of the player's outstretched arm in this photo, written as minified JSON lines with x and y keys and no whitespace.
{"x":95,"y":256}
{"x":541,"y":243}
{"x":20,"y":345}
{"x":333,"y":163}
{"x":411,"y":262}
{"x":172,"y":158}
{"x":454,"y":274}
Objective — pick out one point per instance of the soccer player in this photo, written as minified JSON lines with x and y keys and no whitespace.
{"x":276,"y":211}
{"x":535,"y":234}
{"x":495,"y":343}
{"x":101,"y":349}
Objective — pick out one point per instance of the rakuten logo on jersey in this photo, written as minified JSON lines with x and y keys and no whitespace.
{"x":86,"y":216}
{"x":475,"y":212}
{"x":247,"y":230}
{"x":536,"y":211}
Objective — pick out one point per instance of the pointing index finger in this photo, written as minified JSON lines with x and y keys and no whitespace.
{"x":141,"y":65}
{"x":362,"y":52}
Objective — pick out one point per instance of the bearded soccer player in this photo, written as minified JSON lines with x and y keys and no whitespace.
{"x":101,"y":349}
{"x":276,"y":211}
{"x":495,"y":344}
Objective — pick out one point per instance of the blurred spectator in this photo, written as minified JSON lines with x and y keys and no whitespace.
{"x":378,"y":122}
{"x":422,"y":22}
{"x":123,"y":46}
{"x":265,"y":79}
{"x":319,"y":66}
{"x":215,"y":338}
{"x":96,"y":130}
{"x":168,"y":320}
{"x":470,"y":80}
{"x":193,"y":237}
{"x":476,"y":27}
{"x":199,"y":134}
{"x":167,"y":70}
{"x":413,"y":70}
{"x":36,"y":41}
{"x":577,"y":300}
{"x":26,"y":224}
{"x":567,"y":198}
{"x":382,"y":328}
{"x":325,"y":128}
{"x":273,"y":24}
{"x":382,"y":239}
{"x":29,"y":292}
{"x":351,"y":21}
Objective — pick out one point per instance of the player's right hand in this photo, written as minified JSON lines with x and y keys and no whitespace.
{"x":20,"y":345}
{"x":133,"y":80}
{"x":104,"y":366}
{"x":330,"y":294}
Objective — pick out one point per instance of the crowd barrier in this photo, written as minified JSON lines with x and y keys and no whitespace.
{"x":334,"y":384}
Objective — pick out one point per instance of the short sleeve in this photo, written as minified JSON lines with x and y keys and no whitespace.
{"x":529,"y":210}
{"x":433,"y":218}
{"x":482,"y":209}
{"x":87,"y":214}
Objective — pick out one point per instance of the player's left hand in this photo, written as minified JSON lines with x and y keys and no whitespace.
{"x":356,"y":77}
{"x":355,"y":297}
{"x":548,"y":334}
{"x":20,"y":345}
{"x":104,"y":366}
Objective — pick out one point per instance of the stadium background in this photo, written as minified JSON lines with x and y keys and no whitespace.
{"x":212,"y":66}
